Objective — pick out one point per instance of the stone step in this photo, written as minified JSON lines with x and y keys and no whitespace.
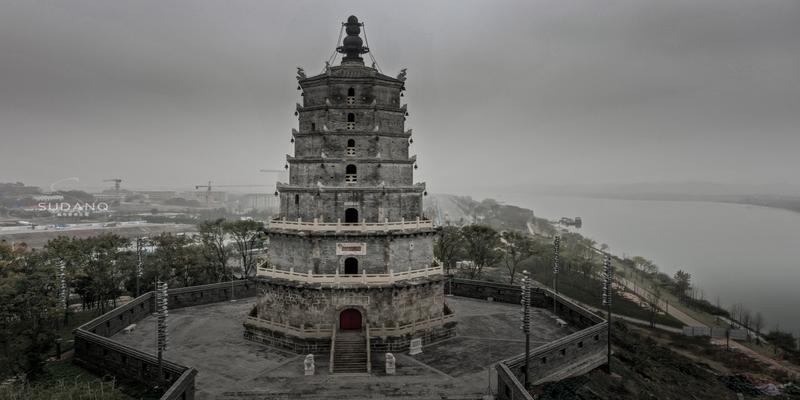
{"x":350,"y":353}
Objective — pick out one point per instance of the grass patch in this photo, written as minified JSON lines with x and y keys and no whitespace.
{"x":64,"y":380}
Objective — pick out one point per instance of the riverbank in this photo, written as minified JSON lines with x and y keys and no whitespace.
{"x":737,"y":254}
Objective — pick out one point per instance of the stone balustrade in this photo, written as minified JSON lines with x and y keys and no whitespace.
{"x":363,"y":226}
{"x":321,"y":331}
{"x":306,"y":332}
{"x":378,"y":331}
{"x":341,"y":279}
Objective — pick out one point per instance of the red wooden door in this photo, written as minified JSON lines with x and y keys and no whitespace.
{"x":350,"y":319}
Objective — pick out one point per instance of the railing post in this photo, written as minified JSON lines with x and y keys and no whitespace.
{"x":417,"y":222}
{"x":364,"y":276}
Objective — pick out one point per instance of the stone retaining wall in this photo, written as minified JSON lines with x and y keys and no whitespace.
{"x":572,"y":355}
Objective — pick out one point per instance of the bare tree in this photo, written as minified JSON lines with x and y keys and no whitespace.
{"x":449,"y":247}
{"x":758,"y":324}
{"x":246,"y":235}
{"x":482,"y":244}
{"x":212,"y":237}
{"x":517,"y":248}
{"x":653,"y":300}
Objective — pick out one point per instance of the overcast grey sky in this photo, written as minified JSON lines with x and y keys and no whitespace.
{"x":165,"y":92}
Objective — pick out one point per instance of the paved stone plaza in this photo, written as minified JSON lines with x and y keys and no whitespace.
{"x":210,"y":339}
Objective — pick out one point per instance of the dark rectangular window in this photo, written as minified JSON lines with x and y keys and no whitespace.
{"x":544,"y":360}
{"x":563,"y":352}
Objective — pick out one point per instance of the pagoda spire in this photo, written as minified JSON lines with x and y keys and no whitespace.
{"x":352,"y":45}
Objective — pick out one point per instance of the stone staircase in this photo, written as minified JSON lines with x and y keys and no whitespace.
{"x":350,"y":352}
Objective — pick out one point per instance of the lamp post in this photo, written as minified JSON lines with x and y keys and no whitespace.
{"x":525,"y":300}
{"x":607,"y":280}
{"x":556,"y":260}
{"x":161,"y":327}
{"x":139,"y":265}
{"x":63,"y":292}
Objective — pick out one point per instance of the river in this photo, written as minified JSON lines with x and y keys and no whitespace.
{"x":743,"y":254}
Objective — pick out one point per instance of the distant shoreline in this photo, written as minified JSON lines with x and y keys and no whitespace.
{"x":789,"y":203}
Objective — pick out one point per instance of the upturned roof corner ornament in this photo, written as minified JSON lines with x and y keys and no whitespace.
{"x":301,"y":74}
{"x":402,"y":75}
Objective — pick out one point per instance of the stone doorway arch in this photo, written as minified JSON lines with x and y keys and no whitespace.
{"x":351,"y":216}
{"x":350,"y":319}
{"x":350,"y":266}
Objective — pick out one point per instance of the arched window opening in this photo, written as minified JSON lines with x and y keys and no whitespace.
{"x":313,"y":127}
{"x":350,"y":174}
{"x":351,"y":121}
{"x":351,"y":147}
{"x":351,"y":266}
{"x":296,"y":199}
{"x":351,"y":216}
{"x":351,"y":96}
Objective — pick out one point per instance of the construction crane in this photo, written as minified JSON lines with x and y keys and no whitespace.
{"x":116,"y":181}
{"x":209,"y":188}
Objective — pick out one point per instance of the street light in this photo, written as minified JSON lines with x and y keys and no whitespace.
{"x":161,"y":324}
{"x":139,"y":264}
{"x":525,"y":301}
{"x":63,"y":292}
{"x":607,"y":290}
{"x":556,"y":259}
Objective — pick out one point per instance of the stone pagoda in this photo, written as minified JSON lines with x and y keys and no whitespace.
{"x":351,"y":270}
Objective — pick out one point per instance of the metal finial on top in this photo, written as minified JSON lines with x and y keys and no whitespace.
{"x":352,"y":45}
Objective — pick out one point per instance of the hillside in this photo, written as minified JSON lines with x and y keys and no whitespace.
{"x":650,"y":364}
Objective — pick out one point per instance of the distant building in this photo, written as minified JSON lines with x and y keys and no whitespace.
{"x":158,"y":195}
{"x":48,"y":197}
{"x":205,"y":196}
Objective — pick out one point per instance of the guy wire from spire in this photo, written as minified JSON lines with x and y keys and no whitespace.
{"x":333,"y":56}
{"x":366,"y":41}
